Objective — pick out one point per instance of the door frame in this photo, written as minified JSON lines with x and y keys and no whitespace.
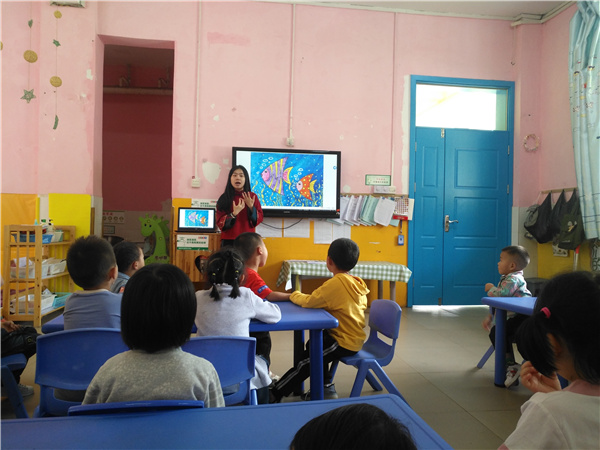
{"x":466,"y":82}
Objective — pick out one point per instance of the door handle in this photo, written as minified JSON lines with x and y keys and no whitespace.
{"x":447,"y":223}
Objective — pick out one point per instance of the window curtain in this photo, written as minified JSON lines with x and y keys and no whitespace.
{"x":584,"y":59}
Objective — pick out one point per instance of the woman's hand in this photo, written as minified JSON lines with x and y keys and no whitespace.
{"x":237,"y":207}
{"x":536,"y":382}
{"x":248,"y":199}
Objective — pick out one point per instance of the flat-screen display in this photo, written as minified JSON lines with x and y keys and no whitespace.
{"x":293,"y":183}
{"x":194,"y":220}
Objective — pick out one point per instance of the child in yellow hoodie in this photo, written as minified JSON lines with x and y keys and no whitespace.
{"x":344,"y":297}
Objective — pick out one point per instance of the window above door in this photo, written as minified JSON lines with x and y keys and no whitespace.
{"x":442,"y":106}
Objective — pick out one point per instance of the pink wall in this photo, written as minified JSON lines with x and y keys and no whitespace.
{"x":527,"y":56}
{"x":557,"y":164}
{"x":350,"y":93}
{"x":41,"y":159}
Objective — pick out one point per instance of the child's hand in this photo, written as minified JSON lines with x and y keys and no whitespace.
{"x":488,"y":286}
{"x":248,"y":199}
{"x":238,"y":207}
{"x":10,"y":326}
{"x":487,"y":322}
{"x":536,"y":382}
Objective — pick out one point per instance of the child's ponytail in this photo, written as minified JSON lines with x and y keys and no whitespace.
{"x":235,"y":284}
{"x":225,"y":267}
{"x":214,"y":279}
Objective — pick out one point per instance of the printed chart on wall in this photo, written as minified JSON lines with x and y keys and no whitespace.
{"x":404,"y":207}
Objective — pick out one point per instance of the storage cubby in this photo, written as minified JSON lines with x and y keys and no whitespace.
{"x":39,"y":263}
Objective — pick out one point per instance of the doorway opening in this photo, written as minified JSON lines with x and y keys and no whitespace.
{"x":461,"y":180}
{"x":137,"y":132}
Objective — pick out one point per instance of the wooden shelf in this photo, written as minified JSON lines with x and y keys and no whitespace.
{"x":19,"y":286}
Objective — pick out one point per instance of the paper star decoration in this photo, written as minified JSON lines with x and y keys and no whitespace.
{"x":28,"y":95}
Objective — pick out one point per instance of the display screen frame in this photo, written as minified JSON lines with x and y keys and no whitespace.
{"x":292,"y":182}
{"x":187,"y":226}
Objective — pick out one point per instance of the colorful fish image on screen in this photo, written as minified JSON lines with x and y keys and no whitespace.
{"x":293,"y":183}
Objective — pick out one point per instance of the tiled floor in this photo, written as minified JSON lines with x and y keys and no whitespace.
{"x":434,"y":368}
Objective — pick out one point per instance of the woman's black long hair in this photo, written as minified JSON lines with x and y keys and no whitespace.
{"x":226,"y":199}
{"x":225,"y":267}
{"x":569,"y":309}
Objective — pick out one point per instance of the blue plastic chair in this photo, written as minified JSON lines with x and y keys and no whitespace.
{"x":384,"y":318}
{"x":233,"y":358}
{"x":129,"y":407}
{"x":10,"y":385}
{"x":69,"y":360}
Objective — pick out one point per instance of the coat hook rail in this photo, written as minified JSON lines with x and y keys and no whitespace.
{"x":558,"y":190}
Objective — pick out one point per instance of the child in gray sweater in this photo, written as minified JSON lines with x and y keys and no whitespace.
{"x":157,"y":314}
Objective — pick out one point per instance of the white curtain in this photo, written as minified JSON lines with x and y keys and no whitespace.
{"x":584,"y":59}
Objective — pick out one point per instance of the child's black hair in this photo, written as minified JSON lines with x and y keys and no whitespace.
{"x":519,"y":254}
{"x":158,"y":308}
{"x":226,"y":199}
{"x":246,"y":243}
{"x":225,"y":267}
{"x":126,"y":253}
{"x":569,"y":309}
{"x":356,"y":426}
{"x":89,"y":259}
{"x":344,"y":253}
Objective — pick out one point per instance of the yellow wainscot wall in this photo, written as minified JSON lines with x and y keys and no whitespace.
{"x":376,"y":243}
{"x":550,"y":265}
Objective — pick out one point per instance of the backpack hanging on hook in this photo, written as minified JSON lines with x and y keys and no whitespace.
{"x":537,"y":221}
{"x":558,"y":211}
{"x":571,"y":226}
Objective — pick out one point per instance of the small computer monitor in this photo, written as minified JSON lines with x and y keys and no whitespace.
{"x":196,"y":220}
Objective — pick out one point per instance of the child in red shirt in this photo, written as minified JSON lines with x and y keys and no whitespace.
{"x":253,"y":251}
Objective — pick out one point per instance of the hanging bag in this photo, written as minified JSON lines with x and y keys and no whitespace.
{"x":558,"y":211}
{"x":537,"y":221}
{"x":571,"y":226}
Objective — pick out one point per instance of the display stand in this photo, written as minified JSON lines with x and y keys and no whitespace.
{"x":43,"y":266}
{"x":186,"y":247}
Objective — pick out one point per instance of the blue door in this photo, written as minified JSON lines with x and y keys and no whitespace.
{"x":476,"y":203}
{"x":461,"y":182}
{"x":462,"y":213}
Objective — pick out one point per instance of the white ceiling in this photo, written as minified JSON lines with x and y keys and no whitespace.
{"x":506,"y":10}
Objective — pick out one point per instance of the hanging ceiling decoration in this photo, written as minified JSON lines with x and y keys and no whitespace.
{"x":55,"y":80}
{"x":31,"y":57}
